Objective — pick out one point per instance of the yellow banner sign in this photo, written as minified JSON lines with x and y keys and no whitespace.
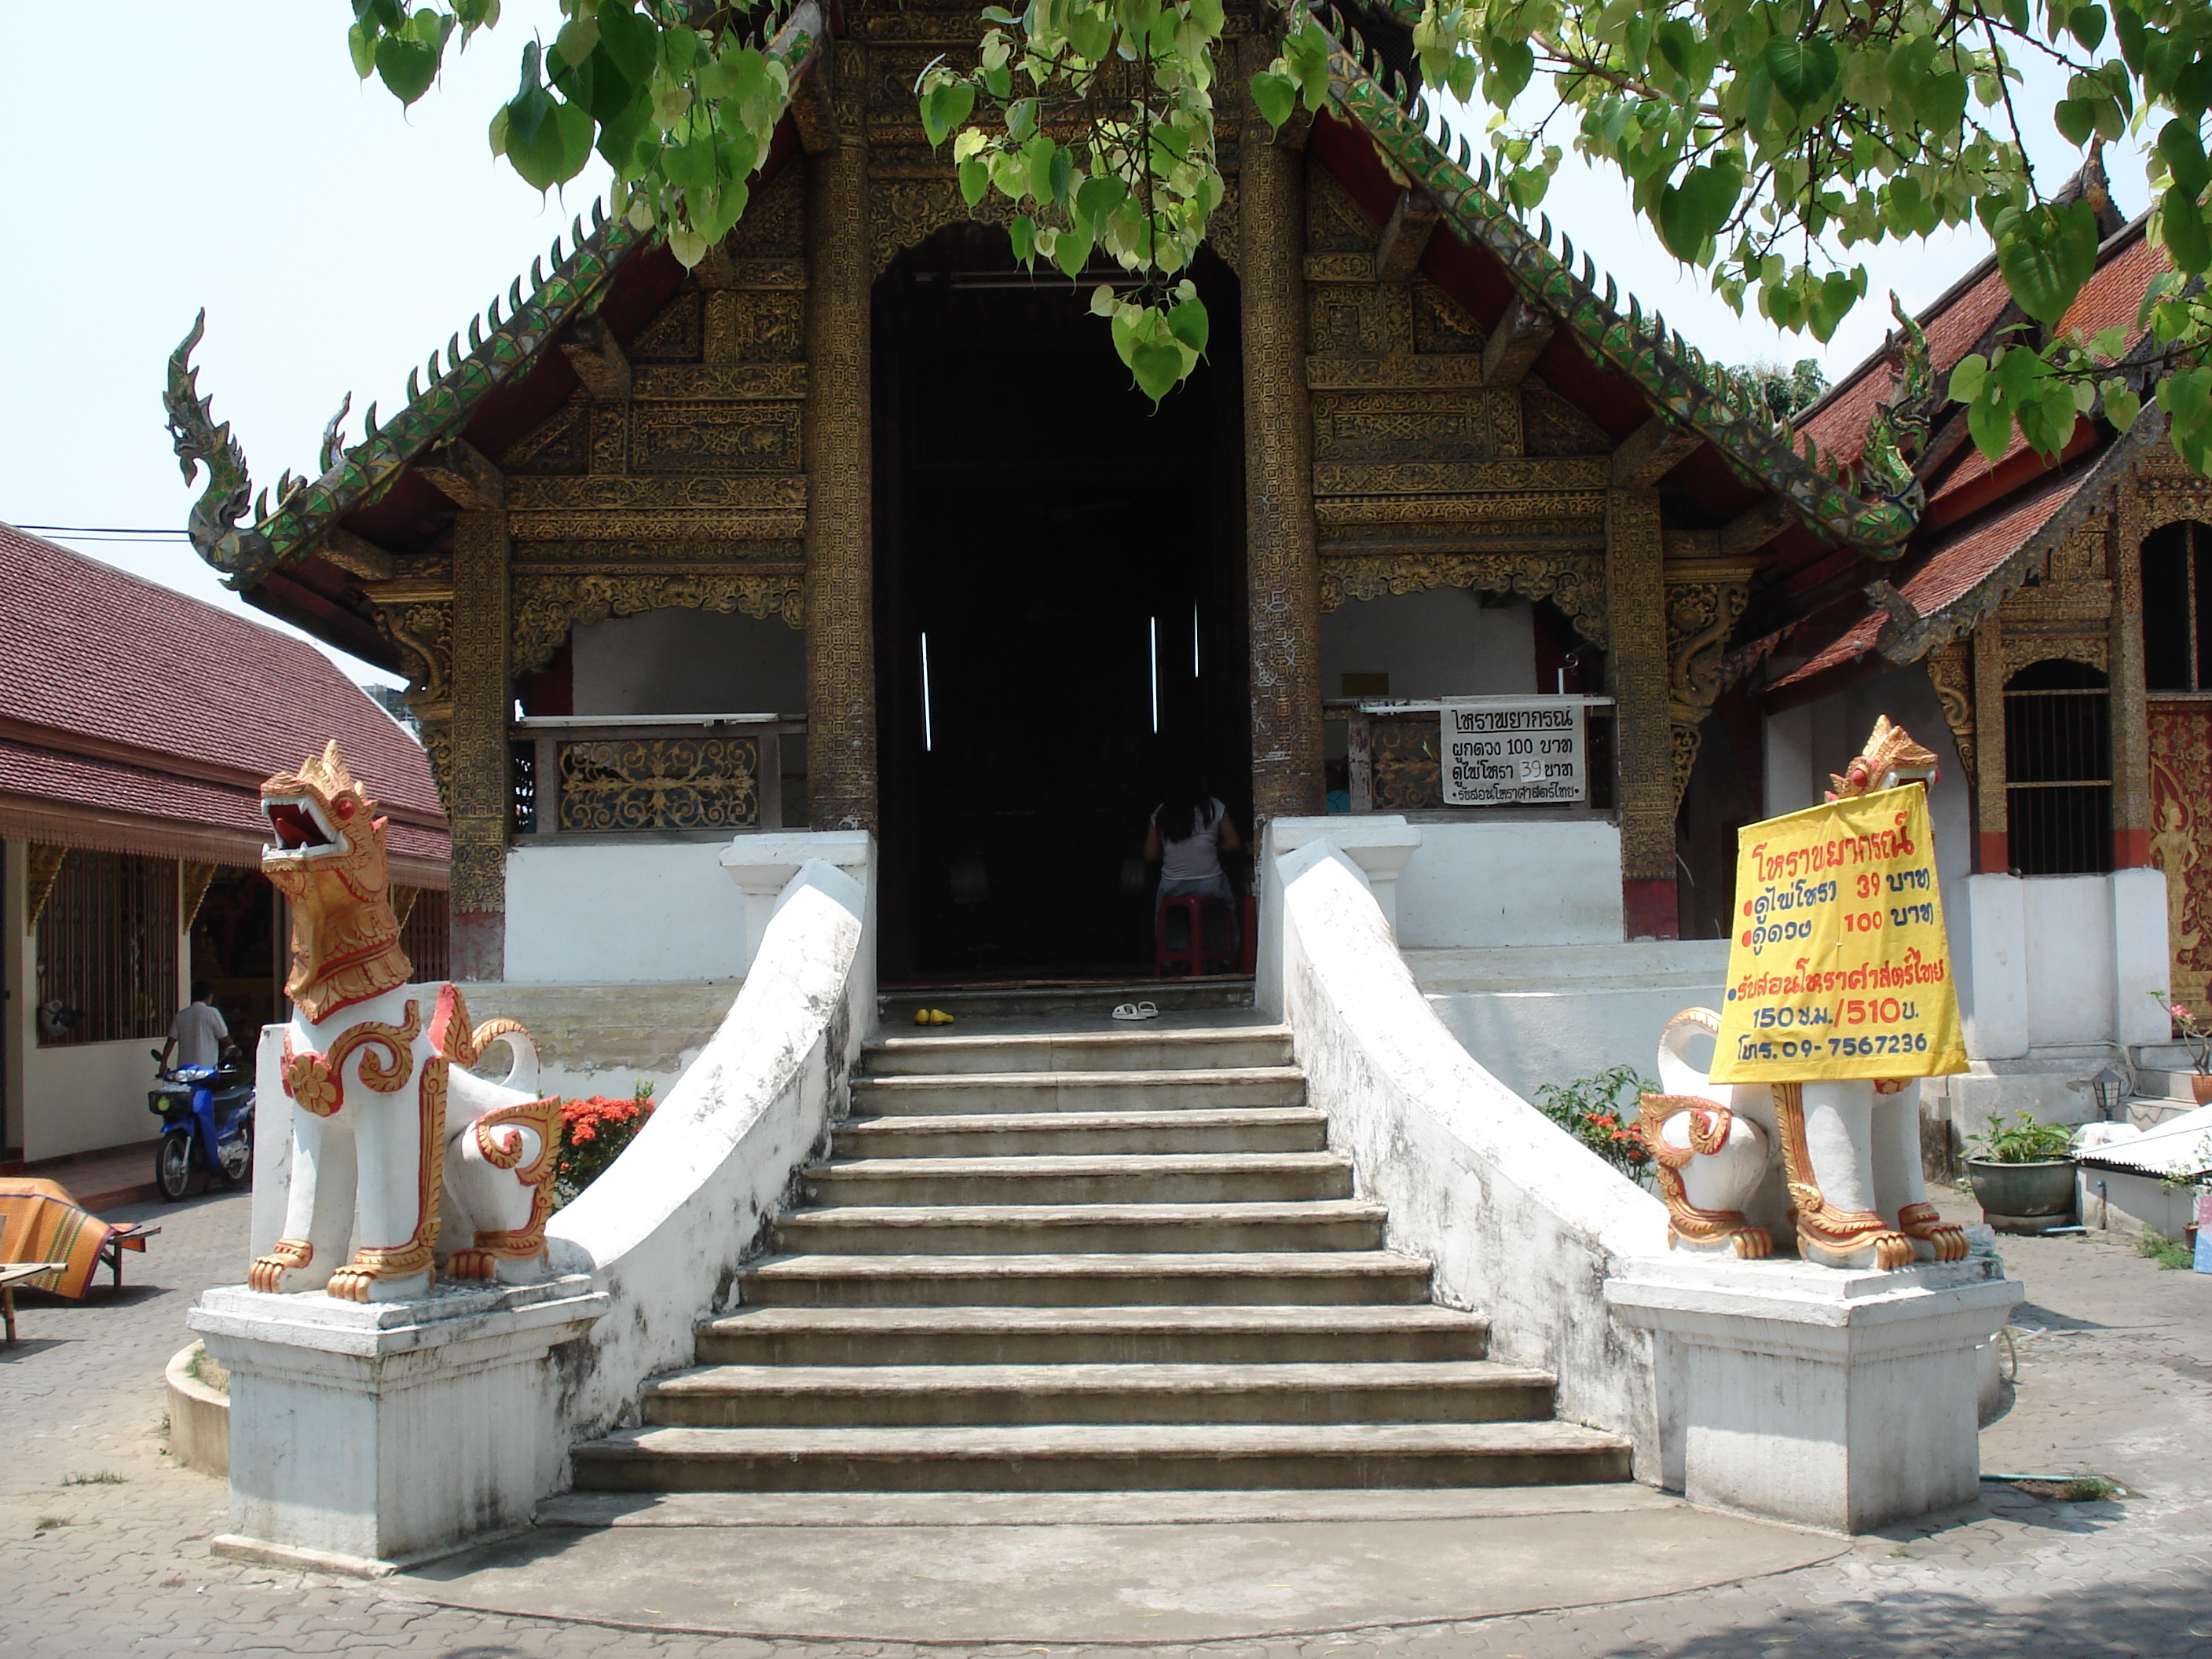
{"x":1839,"y":966}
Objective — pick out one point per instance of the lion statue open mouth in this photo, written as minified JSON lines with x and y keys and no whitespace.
{"x":392,"y":1137}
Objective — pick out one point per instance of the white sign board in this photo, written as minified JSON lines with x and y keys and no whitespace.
{"x":1514,"y":751}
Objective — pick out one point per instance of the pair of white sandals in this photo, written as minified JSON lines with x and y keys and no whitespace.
{"x":1136,"y":1010}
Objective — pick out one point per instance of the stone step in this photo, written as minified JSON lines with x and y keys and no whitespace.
{"x":1231,"y":1279}
{"x":1061,"y":1002}
{"x":1121,"y":1178}
{"x":892,"y":1396}
{"x":961,"y":1093}
{"x":1089,"y":1457}
{"x":1139,"y":1048}
{"x":1093,"y":1335}
{"x":1067,"y":1228}
{"x":1021,"y":1135}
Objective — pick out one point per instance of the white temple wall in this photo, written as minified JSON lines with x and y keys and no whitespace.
{"x":1441,"y":642}
{"x":690,"y":662}
{"x":623,"y":913}
{"x":1477,"y":881}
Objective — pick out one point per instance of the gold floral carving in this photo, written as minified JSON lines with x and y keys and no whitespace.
{"x":1552,"y":511}
{"x":1820,"y":1225}
{"x":1576,"y":585}
{"x":196,"y":878}
{"x":1703,"y":604}
{"x":2025,"y":650}
{"x":844,"y":212}
{"x":660,"y":783}
{"x":480,"y":809}
{"x":1951,"y":672}
{"x":499,"y":1137}
{"x":1283,"y":577}
{"x":1363,"y":373}
{"x":45,"y":867}
{"x":722,"y":382}
{"x":1425,"y":425}
{"x":1709,"y":1132}
{"x":1637,"y":609}
{"x":351,"y":1282}
{"x":2181,"y":838}
{"x":547,"y":606}
{"x":1514,"y":475}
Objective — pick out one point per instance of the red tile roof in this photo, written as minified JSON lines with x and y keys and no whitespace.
{"x":135,"y":681}
{"x":1953,"y":569}
{"x":112,"y":786}
{"x":1953,"y":323}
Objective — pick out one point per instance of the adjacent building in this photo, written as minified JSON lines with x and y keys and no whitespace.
{"x":135,"y":727}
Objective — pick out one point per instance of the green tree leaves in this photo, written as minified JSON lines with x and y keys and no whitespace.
{"x":1095,"y":118}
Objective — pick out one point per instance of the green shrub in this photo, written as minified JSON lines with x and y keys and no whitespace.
{"x":2170,"y":1254}
{"x":2025,"y":1140}
{"x":1589,"y":1109}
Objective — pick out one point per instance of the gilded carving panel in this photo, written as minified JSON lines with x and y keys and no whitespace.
{"x":560,"y":445}
{"x":1353,"y":373}
{"x":615,"y":784}
{"x":610,"y":434}
{"x":584,"y":557}
{"x":1450,"y":477}
{"x":1702,"y":612}
{"x":760,"y":437}
{"x":674,"y":336}
{"x":2181,"y":839}
{"x":1553,"y":426}
{"x":1334,"y":223}
{"x":613,"y":495}
{"x":1553,"y":510}
{"x":1381,"y":425}
{"x":727,"y":382}
{"x":1576,"y":584}
{"x":1346,"y":319}
{"x":1441,"y":325}
{"x":547,"y":605}
{"x":1951,"y":672}
{"x":756,"y":325}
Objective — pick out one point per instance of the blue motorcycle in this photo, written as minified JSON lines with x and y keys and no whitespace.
{"x":207,"y":1119}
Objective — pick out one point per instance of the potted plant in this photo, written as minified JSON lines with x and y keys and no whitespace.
{"x":2196,"y":1032}
{"x":2024,"y":1169}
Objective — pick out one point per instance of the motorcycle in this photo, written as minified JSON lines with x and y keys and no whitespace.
{"x":207,"y":1118}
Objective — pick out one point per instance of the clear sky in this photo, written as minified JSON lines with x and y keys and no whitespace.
{"x":233,"y":160}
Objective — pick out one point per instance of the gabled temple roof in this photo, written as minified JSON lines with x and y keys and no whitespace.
{"x":302,"y":559}
{"x":1989,"y":526}
{"x":120,"y":696}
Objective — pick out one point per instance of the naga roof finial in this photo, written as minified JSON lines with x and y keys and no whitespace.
{"x":243,"y":556}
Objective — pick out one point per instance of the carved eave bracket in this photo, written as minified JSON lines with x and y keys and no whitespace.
{"x":1951,"y":672}
{"x":1575,"y":583}
{"x":547,"y":606}
{"x":1706,"y":593}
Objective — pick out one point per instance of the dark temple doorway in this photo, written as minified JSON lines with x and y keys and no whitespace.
{"x":1060,"y":613}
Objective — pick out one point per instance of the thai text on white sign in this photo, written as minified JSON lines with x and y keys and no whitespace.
{"x":1514,"y":751}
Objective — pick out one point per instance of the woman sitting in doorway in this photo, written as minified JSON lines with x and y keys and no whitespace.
{"x":1189,"y":832}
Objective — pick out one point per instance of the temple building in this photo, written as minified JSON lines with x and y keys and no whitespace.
{"x":667,"y":556}
{"x":135,"y":730}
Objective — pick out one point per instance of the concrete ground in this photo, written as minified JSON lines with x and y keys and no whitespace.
{"x":103,"y":1541}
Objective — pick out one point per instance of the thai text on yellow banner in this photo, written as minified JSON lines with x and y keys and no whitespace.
{"x":1839,"y":966}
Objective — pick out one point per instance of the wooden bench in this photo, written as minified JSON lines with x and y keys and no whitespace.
{"x":14,"y":1275}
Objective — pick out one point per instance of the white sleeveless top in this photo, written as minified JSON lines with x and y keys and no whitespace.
{"x":1198,"y":857}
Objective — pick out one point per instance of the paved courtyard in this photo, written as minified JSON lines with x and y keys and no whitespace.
{"x":103,"y":1541}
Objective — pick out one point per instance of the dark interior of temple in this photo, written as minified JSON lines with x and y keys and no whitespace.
{"x":1060,"y":613}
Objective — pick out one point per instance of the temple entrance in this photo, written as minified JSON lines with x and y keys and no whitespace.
{"x":1060,"y":614}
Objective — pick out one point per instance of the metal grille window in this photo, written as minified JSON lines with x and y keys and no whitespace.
{"x":2059,"y":769}
{"x":2177,"y":608}
{"x":107,"y":950}
{"x":425,"y":933}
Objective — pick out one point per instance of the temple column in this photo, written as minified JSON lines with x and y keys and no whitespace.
{"x":480,"y":805}
{"x":1636,"y":617}
{"x":1282,"y":571}
{"x":2130,"y":715}
{"x":1992,"y":815}
{"x":840,"y":662}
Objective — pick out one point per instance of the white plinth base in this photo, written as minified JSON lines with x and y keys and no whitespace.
{"x":366,"y":1435}
{"x":1832,"y":1399}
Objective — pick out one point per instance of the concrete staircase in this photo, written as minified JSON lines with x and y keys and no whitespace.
{"x":1089,"y":1259}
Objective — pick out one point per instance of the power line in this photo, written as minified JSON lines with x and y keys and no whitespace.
{"x":105,"y":532}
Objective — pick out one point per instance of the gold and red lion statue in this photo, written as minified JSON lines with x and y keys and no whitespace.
{"x":1835,"y":1161}
{"x":399,"y":1151}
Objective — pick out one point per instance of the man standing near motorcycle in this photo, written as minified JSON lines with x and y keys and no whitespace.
{"x":198,"y":1036}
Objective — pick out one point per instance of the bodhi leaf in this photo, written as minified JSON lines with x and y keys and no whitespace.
{"x":1804,"y":71}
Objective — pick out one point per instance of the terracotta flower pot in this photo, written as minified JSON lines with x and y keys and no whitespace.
{"x":2200,"y":1085}
{"x":2045,"y":1188}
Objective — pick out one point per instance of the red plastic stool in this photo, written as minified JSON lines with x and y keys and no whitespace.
{"x":1194,"y":957}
